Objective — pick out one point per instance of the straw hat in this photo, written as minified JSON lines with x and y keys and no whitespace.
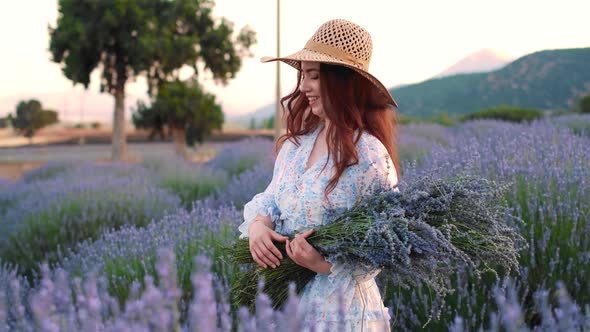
{"x":338,"y":42}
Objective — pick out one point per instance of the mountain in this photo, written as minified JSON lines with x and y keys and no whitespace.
{"x":260,"y":114}
{"x":481,"y":61}
{"x":551,"y":79}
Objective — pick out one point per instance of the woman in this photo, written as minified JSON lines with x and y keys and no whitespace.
{"x":338,"y":147}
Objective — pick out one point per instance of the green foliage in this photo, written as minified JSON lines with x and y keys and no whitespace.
{"x":505,"y":113}
{"x":443,"y":119}
{"x":144,"y":117}
{"x":189,"y":189}
{"x":542,"y":80}
{"x":184,"y":179}
{"x":123,"y":273}
{"x":269,"y":123}
{"x":585,"y":104}
{"x":403,"y":119}
{"x":31,"y":117}
{"x":155,"y":38}
{"x":5,"y":122}
{"x":252,"y":125}
{"x":127,"y":38}
{"x":181,"y":105}
{"x":45,"y":235}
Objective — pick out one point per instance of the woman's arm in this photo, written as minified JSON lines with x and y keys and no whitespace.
{"x":304,"y":254}
{"x":261,"y":234}
{"x":265,"y":220}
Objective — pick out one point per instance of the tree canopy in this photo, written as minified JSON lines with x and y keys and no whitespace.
{"x":154,"y":38}
{"x":185,"y":109}
{"x":30,"y":117}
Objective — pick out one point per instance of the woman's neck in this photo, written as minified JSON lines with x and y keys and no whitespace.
{"x":326,"y":123}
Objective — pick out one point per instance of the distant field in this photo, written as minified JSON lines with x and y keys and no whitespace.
{"x":15,"y":161}
{"x":17,"y":155}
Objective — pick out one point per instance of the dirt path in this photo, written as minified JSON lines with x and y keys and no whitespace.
{"x":14,"y":170}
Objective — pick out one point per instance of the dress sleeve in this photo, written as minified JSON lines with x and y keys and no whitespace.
{"x":375,"y":170}
{"x":379,"y":169}
{"x":264,"y":203}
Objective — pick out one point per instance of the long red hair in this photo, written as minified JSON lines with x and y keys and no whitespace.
{"x":351,"y":103}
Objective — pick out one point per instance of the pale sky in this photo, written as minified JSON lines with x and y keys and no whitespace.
{"x":412,"y":40}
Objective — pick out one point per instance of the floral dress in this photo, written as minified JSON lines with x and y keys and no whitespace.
{"x":348,"y":298}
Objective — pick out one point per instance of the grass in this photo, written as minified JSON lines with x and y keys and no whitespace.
{"x":125,"y":274}
{"x":44,"y":236}
{"x":190,"y":189}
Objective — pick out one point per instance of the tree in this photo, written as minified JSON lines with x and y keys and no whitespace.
{"x":585,"y":104}
{"x":144,"y":117}
{"x":126,"y":39}
{"x":252,"y":125}
{"x":5,"y":122}
{"x":31,"y":117}
{"x":188,"y":112}
{"x":269,"y":123}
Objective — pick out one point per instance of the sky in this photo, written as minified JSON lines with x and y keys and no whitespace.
{"x":412,"y":41}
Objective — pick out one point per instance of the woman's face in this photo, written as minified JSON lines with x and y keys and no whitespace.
{"x":310,"y":86}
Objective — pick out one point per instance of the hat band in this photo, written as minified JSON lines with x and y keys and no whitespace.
{"x":337,"y":53}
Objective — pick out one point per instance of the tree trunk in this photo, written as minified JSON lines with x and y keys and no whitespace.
{"x":119,"y":140}
{"x":179,"y":138}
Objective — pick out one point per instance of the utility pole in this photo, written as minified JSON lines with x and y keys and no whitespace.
{"x":279,"y":110}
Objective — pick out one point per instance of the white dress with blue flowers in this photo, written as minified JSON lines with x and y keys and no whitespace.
{"x":347,"y":298}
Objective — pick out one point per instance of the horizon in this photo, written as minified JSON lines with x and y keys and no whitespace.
{"x":436,"y":43}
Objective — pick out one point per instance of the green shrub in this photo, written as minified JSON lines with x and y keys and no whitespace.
{"x":585,"y":104}
{"x":185,"y":179}
{"x":443,"y":119}
{"x":403,"y":119}
{"x":505,"y":113}
{"x":191,"y":188}
{"x":5,"y":122}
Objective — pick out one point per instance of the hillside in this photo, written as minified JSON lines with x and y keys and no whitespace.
{"x":482,"y":61}
{"x":259,"y":115}
{"x":550,"y":79}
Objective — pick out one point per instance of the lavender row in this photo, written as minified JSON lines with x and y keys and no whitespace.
{"x":546,"y":168}
{"x":54,"y":207}
{"x":63,"y":303}
{"x":528,"y":156}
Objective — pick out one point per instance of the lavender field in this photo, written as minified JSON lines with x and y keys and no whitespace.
{"x":140,"y":247}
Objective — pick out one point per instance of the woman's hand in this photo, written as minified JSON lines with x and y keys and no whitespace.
{"x":304,"y":254}
{"x":263,"y":251}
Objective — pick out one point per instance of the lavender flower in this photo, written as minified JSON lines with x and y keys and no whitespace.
{"x":240,"y":156}
{"x":420,"y":235}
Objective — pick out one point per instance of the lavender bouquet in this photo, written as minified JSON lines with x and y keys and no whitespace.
{"x":421,"y":234}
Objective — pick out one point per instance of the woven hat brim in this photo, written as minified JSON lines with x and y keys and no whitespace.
{"x":294,"y":60}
